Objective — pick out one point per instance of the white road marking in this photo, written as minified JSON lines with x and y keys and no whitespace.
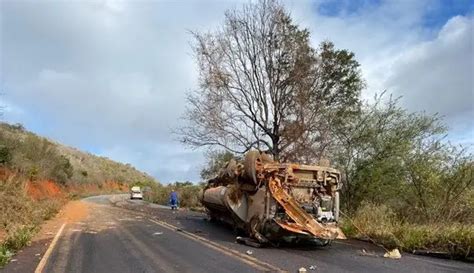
{"x":42,"y":263}
{"x":254,"y":262}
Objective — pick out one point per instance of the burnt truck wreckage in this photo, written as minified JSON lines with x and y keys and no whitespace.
{"x":274,"y":202}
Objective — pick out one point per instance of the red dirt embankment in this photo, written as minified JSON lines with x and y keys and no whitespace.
{"x":4,"y":173}
{"x":49,"y":193}
{"x":46,"y":189}
{"x":95,"y":189}
{"x":72,"y":211}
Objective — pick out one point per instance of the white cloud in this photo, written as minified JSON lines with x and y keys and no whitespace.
{"x":167,"y":161}
{"x":376,"y":34}
{"x":432,"y":69}
{"x":437,"y":75}
{"x":106,"y":75}
{"x":112,"y":75}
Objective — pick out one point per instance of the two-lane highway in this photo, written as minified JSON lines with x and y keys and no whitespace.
{"x":119,"y":235}
{"x":111,"y":239}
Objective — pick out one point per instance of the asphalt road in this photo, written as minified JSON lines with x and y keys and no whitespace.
{"x":133,"y":236}
{"x":116,"y":240}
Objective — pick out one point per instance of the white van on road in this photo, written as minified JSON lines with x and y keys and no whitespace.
{"x":136,"y":193}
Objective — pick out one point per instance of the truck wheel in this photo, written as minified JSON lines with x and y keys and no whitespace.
{"x":252,"y":160}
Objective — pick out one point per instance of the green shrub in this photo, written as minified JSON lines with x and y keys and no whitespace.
{"x":33,"y":173}
{"x":39,"y":158}
{"x":383,"y":226}
{"x":5,"y":155}
{"x":48,"y":208}
{"x":159,"y":194}
{"x":454,"y":238}
{"x":188,"y":194}
{"x":5,"y":255}
{"x":19,"y":237}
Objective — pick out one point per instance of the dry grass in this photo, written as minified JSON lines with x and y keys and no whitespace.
{"x":21,"y":215}
{"x":188,"y":195}
{"x":381,"y":224}
{"x":41,"y":158}
{"x":54,"y":173}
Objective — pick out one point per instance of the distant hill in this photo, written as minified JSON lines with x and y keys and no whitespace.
{"x":40,"y":158}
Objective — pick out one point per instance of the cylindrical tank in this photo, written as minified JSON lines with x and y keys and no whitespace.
{"x":218,"y":200}
{"x":215,"y":197}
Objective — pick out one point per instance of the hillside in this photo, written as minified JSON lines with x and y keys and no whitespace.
{"x":38,"y":176}
{"x":40,"y":158}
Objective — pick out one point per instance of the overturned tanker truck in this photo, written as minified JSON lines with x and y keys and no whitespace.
{"x":274,"y":202}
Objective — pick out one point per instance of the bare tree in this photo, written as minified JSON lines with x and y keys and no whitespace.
{"x":263,"y":86}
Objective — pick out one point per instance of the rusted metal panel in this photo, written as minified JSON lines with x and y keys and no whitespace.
{"x":291,"y":227}
{"x":303,"y":220}
{"x":270,"y":196}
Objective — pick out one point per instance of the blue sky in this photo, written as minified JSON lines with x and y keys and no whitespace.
{"x":441,"y":11}
{"x":110,"y":77}
{"x":436,"y":15}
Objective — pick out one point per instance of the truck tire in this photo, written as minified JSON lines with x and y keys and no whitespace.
{"x":250,"y":165}
{"x":252,"y":159}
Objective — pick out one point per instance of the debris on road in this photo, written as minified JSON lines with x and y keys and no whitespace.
{"x":393,"y":254}
{"x":302,"y":270}
{"x":312,"y":267}
{"x":158,"y":233}
{"x":37,"y":254}
{"x":247,"y":241}
{"x":249,"y":252}
{"x":437,"y":254}
{"x":364,"y":252}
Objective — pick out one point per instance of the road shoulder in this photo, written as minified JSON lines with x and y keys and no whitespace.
{"x":28,"y":258}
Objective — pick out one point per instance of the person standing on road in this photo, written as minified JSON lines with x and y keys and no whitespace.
{"x":174,"y":199}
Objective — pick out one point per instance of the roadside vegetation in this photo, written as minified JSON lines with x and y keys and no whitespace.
{"x":21,"y":214}
{"x":188,"y":194}
{"x":378,"y":223}
{"x":263,"y":85}
{"x":405,"y":185}
{"x":38,"y":176}
{"x":40,"y":158}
